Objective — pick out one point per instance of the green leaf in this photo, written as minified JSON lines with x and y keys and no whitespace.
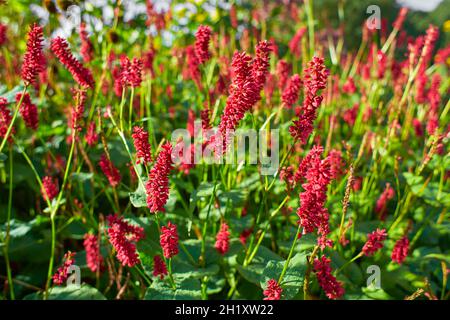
{"x":188,"y":289}
{"x":293,"y":278}
{"x":254,"y":271}
{"x":82,"y":176}
{"x":138,"y":198}
{"x":70,"y":292}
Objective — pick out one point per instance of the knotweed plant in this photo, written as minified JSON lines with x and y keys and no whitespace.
{"x":95,"y":180}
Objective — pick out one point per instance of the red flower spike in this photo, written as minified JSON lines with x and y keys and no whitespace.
{"x":157,"y":187}
{"x":123,"y":237}
{"x":374,"y":242}
{"x":333,"y":288}
{"x":223,"y":239}
{"x":110,"y":171}
{"x":34,"y":60}
{"x":142,"y":146}
{"x":82,"y":75}
{"x":169,"y":240}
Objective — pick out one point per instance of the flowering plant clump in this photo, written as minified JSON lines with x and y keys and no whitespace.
{"x":210,"y":150}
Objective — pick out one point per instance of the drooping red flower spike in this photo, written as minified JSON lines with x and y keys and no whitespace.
{"x":273,"y":290}
{"x":110,"y":171}
{"x":202,"y":38}
{"x":333,"y":288}
{"x":94,"y":259}
{"x":222,"y":239}
{"x":62,"y":274}
{"x":157,"y":187}
{"x":159,"y":267}
{"x":123,"y":237}
{"x":142,"y":146}
{"x":49,"y":188}
{"x":3,"y":38}
{"x":34,"y":59}
{"x":374,"y":242}
{"x":82,"y":75}
{"x":169,"y":240}
{"x":400,"y":251}
{"x":282,"y":72}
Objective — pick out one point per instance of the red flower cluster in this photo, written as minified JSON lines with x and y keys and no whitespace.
{"x":141,"y":144}
{"x":62,"y":273}
{"x":110,"y":171}
{"x":123,"y":236}
{"x":243,"y":93}
{"x":91,"y":134}
{"x":315,"y":79}
{"x":49,"y":188}
{"x":374,"y":242}
{"x":157,"y":187}
{"x":273,"y":290}
{"x":82,"y":75}
{"x":5,"y":119}
{"x":169,"y":240}
{"x":28,"y":110}
{"x":223,"y":239}
{"x":333,"y":288}
{"x":312,"y":212}
{"x":295,"y":43}
{"x":381,"y":205}
{"x":87,"y":49}
{"x":202,"y":37}
{"x":292,"y":90}
{"x":400,"y":251}
{"x":94,"y":258}
{"x":336,"y":163}
{"x":33,"y":60}
{"x":159,"y":267}
{"x":260,"y":65}
{"x":130,"y":72}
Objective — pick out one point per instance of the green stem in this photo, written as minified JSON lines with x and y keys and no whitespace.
{"x":286,"y":264}
{"x":16,"y":112}
{"x":8,"y":227}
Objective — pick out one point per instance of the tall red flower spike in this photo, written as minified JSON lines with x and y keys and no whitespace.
{"x":202,"y":37}
{"x":82,"y":75}
{"x":157,"y":187}
{"x":34,"y":60}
